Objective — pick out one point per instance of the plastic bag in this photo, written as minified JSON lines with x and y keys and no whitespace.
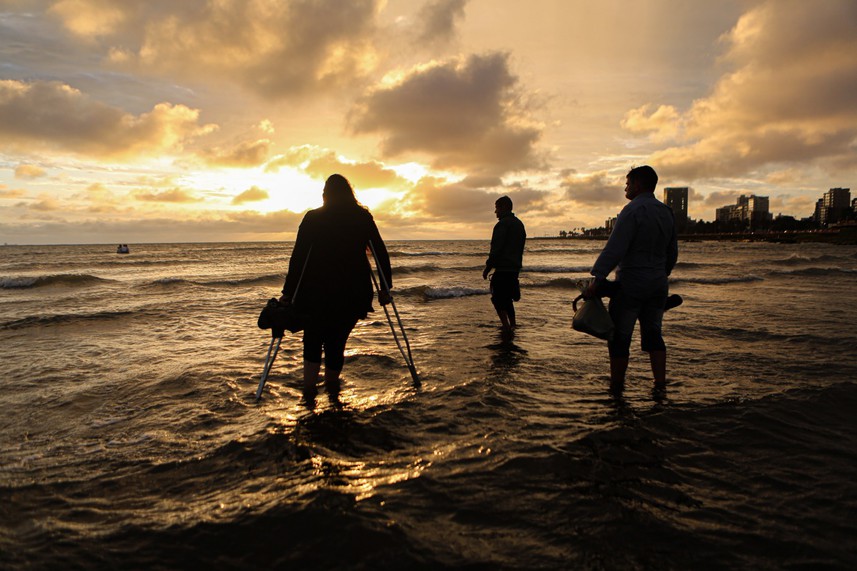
{"x":592,"y":317}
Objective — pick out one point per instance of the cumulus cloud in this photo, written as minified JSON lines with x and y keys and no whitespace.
{"x":244,"y":154}
{"x":662,"y":123}
{"x":10,"y":192}
{"x":321,"y":163}
{"x":89,"y":19}
{"x":275,"y":48}
{"x":438,"y":19}
{"x":597,"y":189}
{"x":788,"y":98}
{"x":370,"y":174}
{"x":438,"y":199}
{"x":294,"y":157}
{"x":174,"y":195}
{"x":29,"y":171}
{"x":100,"y":196}
{"x":801,"y":205}
{"x":45,"y":204}
{"x":56,"y":116}
{"x":720,"y":198}
{"x":464,"y":114}
{"x":252,"y":194}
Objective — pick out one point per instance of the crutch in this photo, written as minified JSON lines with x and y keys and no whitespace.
{"x":409,"y":359}
{"x":269,"y":360}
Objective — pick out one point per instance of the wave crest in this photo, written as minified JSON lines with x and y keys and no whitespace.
{"x":717,"y":281}
{"x":23,"y":282}
{"x":429,"y":292}
{"x":815,"y":271}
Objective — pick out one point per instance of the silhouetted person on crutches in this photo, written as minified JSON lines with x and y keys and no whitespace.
{"x":336,"y":289}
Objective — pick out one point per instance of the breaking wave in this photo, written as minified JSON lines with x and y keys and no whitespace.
{"x":815,"y":272}
{"x":717,"y":281}
{"x":429,"y":292}
{"x":23,"y":282}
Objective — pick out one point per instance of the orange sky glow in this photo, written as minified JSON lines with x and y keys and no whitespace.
{"x":203,"y":120}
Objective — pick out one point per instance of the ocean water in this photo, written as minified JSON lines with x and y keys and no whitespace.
{"x":130,"y":437}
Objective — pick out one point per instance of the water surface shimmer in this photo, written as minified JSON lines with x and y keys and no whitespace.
{"x":130,"y":437}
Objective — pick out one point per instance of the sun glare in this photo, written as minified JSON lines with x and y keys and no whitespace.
{"x":287,"y":189}
{"x":412,"y":172}
{"x":372,"y":197}
{"x":290,"y":190}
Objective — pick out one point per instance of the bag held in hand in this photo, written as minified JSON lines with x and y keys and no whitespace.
{"x":592,"y":318}
{"x":280,"y":318}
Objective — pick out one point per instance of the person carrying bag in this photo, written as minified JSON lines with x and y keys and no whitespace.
{"x":592,"y":317}
{"x":336,"y":289}
{"x":280,"y":316}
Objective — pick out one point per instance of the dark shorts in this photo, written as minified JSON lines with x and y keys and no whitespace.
{"x":505,"y":289}
{"x":646,"y":305}
{"x":331,"y":337}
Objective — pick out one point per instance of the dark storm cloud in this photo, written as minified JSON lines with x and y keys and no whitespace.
{"x":597,"y":189}
{"x":438,"y":20}
{"x":787,"y":99}
{"x":370,"y":174}
{"x":274,"y":48}
{"x":243,"y":154}
{"x":462,"y":202}
{"x":464,"y":114}
{"x":52,"y":115}
{"x":320,"y":164}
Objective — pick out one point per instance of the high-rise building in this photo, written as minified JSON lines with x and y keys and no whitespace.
{"x":835,"y":206}
{"x":751,"y":210}
{"x":758,"y":209}
{"x":676,"y":198}
{"x":819,"y":205}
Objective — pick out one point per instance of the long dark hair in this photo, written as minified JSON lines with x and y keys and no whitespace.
{"x":338,"y":193}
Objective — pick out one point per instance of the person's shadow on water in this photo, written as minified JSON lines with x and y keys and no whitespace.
{"x":505,"y":355}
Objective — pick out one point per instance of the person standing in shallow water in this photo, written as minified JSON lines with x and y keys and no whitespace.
{"x":336,"y":289}
{"x":506,"y":258}
{"x":644,"y":248}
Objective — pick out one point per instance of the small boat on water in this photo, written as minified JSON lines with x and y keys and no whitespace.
{"x":123,"y":249}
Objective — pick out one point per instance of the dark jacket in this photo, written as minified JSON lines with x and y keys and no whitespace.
{"x":337,"y":284}
{"x":507,"y":244}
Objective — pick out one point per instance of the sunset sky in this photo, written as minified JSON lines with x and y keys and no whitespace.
{"x":218,"y":120}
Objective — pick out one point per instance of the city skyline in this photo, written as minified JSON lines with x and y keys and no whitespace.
{"x":203,"y":121}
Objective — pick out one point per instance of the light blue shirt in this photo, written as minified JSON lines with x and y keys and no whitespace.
{"x":643,"y":244}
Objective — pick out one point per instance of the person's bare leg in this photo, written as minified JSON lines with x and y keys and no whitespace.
{"x":507,"y":329}
{"x":618,"y":366}
{"x":331,"y":382}
{"x":658,"y":360}
{"x":311,"y":371}
{"x":504,"y":319}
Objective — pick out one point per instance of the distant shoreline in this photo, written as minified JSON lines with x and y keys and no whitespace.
{"x":846,"y":235}
{"x":843,"y":235}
